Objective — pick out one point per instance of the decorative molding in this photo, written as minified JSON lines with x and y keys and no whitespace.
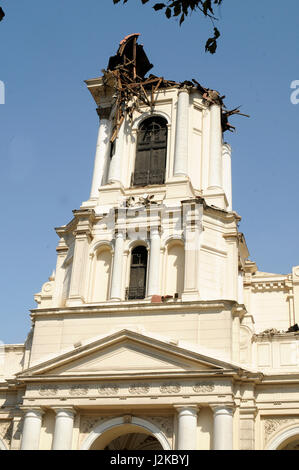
{"x":139,"y":389}
{"x":204,"y":387}
{"x":165,"y":423}
{"x":271,"y":425}
{"x":268,"y":286}
{"x":108,"y":389}
{"x":78,"y":390}
{"x":46,"y":390}
{"x":170,"y":388}
{"x":128,"y":419}
{"x":87,"y":423}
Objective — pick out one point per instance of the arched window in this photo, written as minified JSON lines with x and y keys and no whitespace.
{"x":150,"y":160}
{"x":138,"y":270}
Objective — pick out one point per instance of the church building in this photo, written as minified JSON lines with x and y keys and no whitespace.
{"x":156,"y":331}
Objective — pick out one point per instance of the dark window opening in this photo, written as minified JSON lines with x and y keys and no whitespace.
{"x":138,"y":270}
{"x":150,"y":160}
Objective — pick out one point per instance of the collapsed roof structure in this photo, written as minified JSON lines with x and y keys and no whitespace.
{"x":126,"y":74}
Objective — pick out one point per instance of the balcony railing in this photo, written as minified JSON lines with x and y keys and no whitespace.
{"x":135,"y":293}
{"x":144,"y":178}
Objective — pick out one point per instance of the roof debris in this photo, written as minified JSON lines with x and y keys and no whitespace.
{"x":126,"y":74}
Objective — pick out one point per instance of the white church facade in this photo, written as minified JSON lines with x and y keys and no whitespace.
{"x":155,"y":330}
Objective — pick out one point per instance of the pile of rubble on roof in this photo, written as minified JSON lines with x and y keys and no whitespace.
{"x":126,"y":73}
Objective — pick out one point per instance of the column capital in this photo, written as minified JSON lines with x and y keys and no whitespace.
{"x":187,"y":426}
{"x":34,"y":411}
{"x":187,"y":409}
{"x":219,"y":409}
{"x":155,"y":231}
{"x":69,"y":411}
{"x":104,"y":113}
{"x":184,"y":89}
{"x":120,"y":233}
{"x":226,"y":148}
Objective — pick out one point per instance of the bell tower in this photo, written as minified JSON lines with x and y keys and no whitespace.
{"x":157,"y":134}
{"x":142,"y":338}
{"x":158,"y":229}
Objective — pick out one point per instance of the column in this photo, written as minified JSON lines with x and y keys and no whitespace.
{"x":223,"y":427}
{"x":116,"y":283}
{"x":215,"y":165}
{"x":181,"y":136}
{"x":154,"y":264}
{"x":187,"y":427}
{"x":102,"y":151}
{"x":114,"y":175}
{"x":31,"y":429}
{"x":227,"y":174}
{"x":63,"y":433}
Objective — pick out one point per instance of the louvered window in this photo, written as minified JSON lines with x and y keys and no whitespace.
{"x":138,"y":273}
{"x":150,"y":160}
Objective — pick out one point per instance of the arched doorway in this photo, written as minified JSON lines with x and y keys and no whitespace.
{"x":291,"y":445}
{"x":126,"y":434}
{"x":287,"y":440}
{"x":133,"y":441}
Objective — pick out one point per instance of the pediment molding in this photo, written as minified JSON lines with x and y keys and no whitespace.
{"x":143,"y":355}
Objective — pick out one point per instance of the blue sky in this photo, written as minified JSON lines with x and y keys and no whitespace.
{"x":48,"y":125}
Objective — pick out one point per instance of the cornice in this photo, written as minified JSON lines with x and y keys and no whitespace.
{"x":180,"y":352}
{"x":127,"y":306}
{"x":167,"y":375}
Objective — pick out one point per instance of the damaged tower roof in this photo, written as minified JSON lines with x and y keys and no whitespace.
{"x":126,"y":75}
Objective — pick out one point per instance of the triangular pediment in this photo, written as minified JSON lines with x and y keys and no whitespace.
{"x":126,"y":352}
{"x":128,"y":356}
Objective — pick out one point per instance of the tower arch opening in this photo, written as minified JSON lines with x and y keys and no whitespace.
{"x":151,"y":150}
{"x":138,"y":273}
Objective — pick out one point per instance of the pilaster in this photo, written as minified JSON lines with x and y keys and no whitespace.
{"x":83,"y":237}
{"x":296,"y":293}
{"x":232,"y":268}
